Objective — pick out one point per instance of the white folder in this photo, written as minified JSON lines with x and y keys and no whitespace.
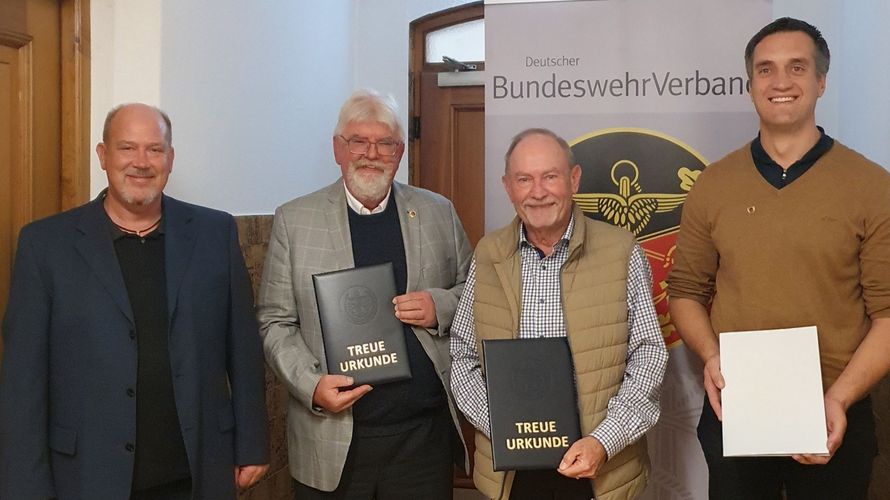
{"x":773,"y":398}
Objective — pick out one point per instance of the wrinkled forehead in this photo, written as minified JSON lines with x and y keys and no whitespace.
{"x":537,"y":152}
{"x":133,"y":121}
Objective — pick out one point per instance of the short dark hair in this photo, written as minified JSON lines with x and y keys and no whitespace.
{"x":821,"y":55}
{"x":570,"y":157}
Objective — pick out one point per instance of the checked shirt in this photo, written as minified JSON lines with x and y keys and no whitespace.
{"x":631,"y":412}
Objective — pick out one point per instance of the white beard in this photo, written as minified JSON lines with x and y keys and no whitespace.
{"x":372,"y":187}
{"x":147,"y":197}
{"x":145,"y":201}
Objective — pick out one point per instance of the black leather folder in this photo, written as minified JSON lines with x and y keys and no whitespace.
{"x":531,"y":402}
{"x":362,"y":337}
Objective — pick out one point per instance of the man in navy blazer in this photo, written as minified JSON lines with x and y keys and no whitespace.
{"x":132,"y":365}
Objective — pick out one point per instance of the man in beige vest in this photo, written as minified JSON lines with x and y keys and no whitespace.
{"x":555,"y":273}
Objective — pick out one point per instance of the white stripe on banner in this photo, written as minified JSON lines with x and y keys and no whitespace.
{"x":647,"y":92}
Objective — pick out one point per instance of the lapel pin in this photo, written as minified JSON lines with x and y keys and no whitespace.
{"x":412,"y":214}
{"x":751,"y":209}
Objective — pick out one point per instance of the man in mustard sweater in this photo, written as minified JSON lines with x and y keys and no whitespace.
{"x":792,"y":229}
{"x":555,"y":273}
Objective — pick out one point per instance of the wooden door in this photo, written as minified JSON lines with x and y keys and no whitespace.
{"x":447,"y":149}
{"x":452,"y":148}
{"x":8,"y":123}
{"x":447,"y":142}
{"x":44,"y":116}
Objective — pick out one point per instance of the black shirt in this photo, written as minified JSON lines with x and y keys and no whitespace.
{"x":779,"y":177}
{"x":160,"y":451}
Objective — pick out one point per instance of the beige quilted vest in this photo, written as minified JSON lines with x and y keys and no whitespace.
{"x":594,"y":295}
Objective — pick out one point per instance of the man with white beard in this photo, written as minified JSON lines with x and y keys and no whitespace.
{"x":345,"y":441}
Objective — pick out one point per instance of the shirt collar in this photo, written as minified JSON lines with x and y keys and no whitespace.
{"x":117,"y":233}
{"x":523,"y":241}
{"x":779,"y":177}
{"x":360,"y":209}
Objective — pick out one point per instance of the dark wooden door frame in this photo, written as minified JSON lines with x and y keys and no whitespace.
{"x":417,"y":65}
{"x":75,"y":119}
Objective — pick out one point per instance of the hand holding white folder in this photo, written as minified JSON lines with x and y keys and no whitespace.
{"x":773,"y":398}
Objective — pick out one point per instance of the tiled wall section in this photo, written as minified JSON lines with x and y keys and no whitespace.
{"x":254,"y":232}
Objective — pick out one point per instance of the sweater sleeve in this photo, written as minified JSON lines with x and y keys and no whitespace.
{"x":874,"y":254}
{"x":695,"y":257}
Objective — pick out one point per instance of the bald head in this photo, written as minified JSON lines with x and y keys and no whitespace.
{"x":539,"y":133}
{"x":138,"y":109}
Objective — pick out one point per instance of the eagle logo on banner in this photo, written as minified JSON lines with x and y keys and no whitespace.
{"x":630,"y":211}
{"x":616,"y":164}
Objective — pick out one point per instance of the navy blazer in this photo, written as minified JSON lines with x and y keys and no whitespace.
{"x":67,"y":419}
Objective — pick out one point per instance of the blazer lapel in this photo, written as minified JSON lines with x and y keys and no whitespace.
{"x":97,"y":249}
{"x":179,"y":244}
{"x":337,"y":223}
{"x":410,"y":221}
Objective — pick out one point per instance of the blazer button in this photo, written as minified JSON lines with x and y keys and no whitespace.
{"x":129,"y":447}
{"x":132,"y":334}
{"x":130,"y":392}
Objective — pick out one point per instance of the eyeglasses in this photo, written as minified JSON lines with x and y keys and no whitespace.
{"x":361,"y":146}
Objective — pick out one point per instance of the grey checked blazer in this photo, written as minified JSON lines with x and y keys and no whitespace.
{"x":311,"y":235}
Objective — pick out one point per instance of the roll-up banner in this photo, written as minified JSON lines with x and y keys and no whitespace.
{"x":647,"y":92}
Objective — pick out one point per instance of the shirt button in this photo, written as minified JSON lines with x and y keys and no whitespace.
{"x":130,"y":392}
{"x":540,"y":301}
{"x":129,"y":447}
{"x":543,"y":267}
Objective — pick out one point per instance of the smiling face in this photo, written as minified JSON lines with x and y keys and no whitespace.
{"x":785,"y":83}
{"x":136,"y":158}
{"x":540,"y":184}
{"x":367,"y":176}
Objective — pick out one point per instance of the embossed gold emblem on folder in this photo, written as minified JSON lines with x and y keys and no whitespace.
{"x":362,"y":336}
